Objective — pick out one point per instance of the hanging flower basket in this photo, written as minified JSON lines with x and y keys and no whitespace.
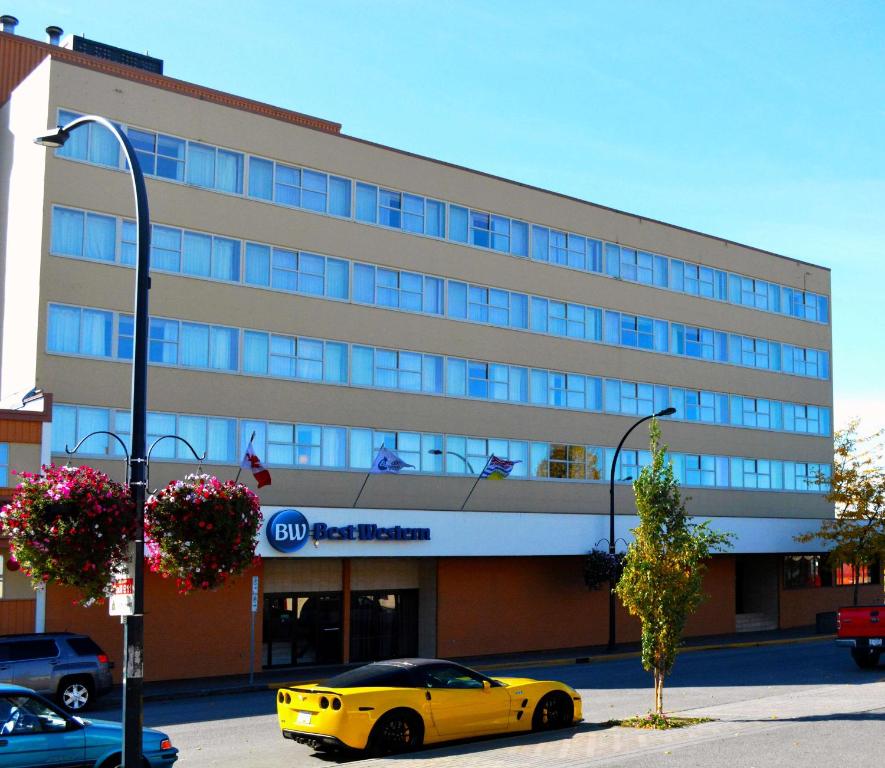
{"x":602,"y":567}
{"x":69,"y":525}
{"x":201,"y":531}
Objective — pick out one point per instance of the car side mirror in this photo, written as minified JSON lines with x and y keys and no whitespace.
{"x":486,"y":685}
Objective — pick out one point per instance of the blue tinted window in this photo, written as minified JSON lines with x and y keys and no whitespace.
{"x":201,"y":165}
{"x":337,"y":278}
{"x":339,"y":196}
{"x":457,"y":299}
{"x":612,"y":260}
{"x":67,"y":231}
{"x":366,"y":202}
{"x":364,"y":283}
{"x":457,"y":224}
{"x":390,"y":208}
{"x":257,"y":264}
{"x":260,"y":178}
{"x":255,"y":352}
{"x":519,"y":238}
{"x":435,"y":218}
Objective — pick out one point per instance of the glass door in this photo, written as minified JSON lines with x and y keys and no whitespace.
{"x":383,"y":625}
{"x":301,"y":628}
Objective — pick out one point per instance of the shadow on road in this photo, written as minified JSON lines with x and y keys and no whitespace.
{"x":873,"y":715}
{"x":483,"y":745}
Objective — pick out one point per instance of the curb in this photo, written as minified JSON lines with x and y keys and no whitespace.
{"x":557,"y":662}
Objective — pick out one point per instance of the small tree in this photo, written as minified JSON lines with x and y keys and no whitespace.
{"x":662,"y":582}
{"x":856,"y":535}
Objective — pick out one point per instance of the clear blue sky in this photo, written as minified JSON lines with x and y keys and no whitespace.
{"x":758,"y":121}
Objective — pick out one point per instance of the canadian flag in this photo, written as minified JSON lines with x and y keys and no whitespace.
{"x":251,"y":461}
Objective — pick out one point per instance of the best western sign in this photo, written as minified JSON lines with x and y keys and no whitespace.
{"x":288,"y":531}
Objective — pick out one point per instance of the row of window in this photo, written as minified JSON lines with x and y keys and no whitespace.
{"x":337,"y":447}
{"x":801,"y":571}
{"x":4,"y":465}
{"x":83,"y":234}
{"x":168,"y":157}
{"x":102,"y":333}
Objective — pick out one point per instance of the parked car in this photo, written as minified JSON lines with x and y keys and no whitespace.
{"x":398,"y":705}
{"x":861,"y":629}
{"x":34,"y":732}
{"x":69,"y":667}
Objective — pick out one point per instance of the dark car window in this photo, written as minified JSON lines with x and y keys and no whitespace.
{"x":452,"y":676}
{"x":374,"y":675}
{"x":85,"y":646}
{"x":32,"y":649}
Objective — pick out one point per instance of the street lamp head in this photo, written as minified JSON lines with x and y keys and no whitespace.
{"x":666,"y":412}
{"x":53,"y":139}
{"x":435,"y":451}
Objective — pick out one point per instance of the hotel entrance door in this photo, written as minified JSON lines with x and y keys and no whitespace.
{"x":302,"y":629}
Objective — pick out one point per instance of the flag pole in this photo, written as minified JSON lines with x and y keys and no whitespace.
{"x":236,"y":479}
{"x":475,"y":483}
{"x":361,"y":489}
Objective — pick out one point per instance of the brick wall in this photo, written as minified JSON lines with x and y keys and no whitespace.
{"x":199,"y":635}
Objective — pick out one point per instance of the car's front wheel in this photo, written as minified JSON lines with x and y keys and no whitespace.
{"x":75,"y":694}
{"x":397,"y":731}
{"x":554,"y":710}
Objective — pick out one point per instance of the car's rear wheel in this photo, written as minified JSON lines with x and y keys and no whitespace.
{"x":865,"y":658}
{"x":75,"y":694}
{"x":554,"y":710}
{"x":396,"y":731}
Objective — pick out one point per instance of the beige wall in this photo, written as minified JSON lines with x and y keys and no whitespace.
{"x":107,"y":383}
{"x":23,"y":458}
{"x":15,"y":585}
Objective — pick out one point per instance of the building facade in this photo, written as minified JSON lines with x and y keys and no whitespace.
{"x":330,"y":296}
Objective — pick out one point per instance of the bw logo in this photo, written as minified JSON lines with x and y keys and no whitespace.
{"x":288,"y":530}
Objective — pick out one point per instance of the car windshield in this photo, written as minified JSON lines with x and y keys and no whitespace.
{"x":374,"y":675}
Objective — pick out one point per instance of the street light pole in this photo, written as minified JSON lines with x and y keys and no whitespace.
{"x":438,"y":452}
{"x":611,"y":521}
{"x":133,"y":626}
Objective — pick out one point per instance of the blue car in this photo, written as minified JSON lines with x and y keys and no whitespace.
{"x":34,"y":732}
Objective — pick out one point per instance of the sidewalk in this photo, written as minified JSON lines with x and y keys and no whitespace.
{"x":265,"y":679}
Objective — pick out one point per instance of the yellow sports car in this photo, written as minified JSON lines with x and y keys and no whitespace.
{"x":395,"y":706}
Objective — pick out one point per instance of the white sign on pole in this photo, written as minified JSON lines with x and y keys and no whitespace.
{"x":254,"y":594}
{"x":122,"y":602}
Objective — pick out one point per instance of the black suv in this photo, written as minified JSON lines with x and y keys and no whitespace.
{"x":70,"y":667}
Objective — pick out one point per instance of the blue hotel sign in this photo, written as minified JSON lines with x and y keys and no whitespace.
{"x":288,"y":531}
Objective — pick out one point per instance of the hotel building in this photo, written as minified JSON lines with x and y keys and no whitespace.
{"x":332,"y":295}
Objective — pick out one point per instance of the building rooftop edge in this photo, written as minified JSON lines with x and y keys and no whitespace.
{"x":32,"y":52}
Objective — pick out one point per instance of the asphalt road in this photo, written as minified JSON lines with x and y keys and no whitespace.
{"x":785,"y":705}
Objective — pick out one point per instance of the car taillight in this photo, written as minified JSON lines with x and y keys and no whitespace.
{"x":102,"y":658}
{"x":166,"y":744}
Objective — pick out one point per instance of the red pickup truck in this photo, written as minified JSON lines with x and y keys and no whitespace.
{"x":861,"y":629}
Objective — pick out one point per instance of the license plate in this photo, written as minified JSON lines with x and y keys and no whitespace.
{"x":303,"y":718}
{"x":876,"y":641}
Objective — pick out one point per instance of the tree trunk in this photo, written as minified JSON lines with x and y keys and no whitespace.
{"x":659,"y":692}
